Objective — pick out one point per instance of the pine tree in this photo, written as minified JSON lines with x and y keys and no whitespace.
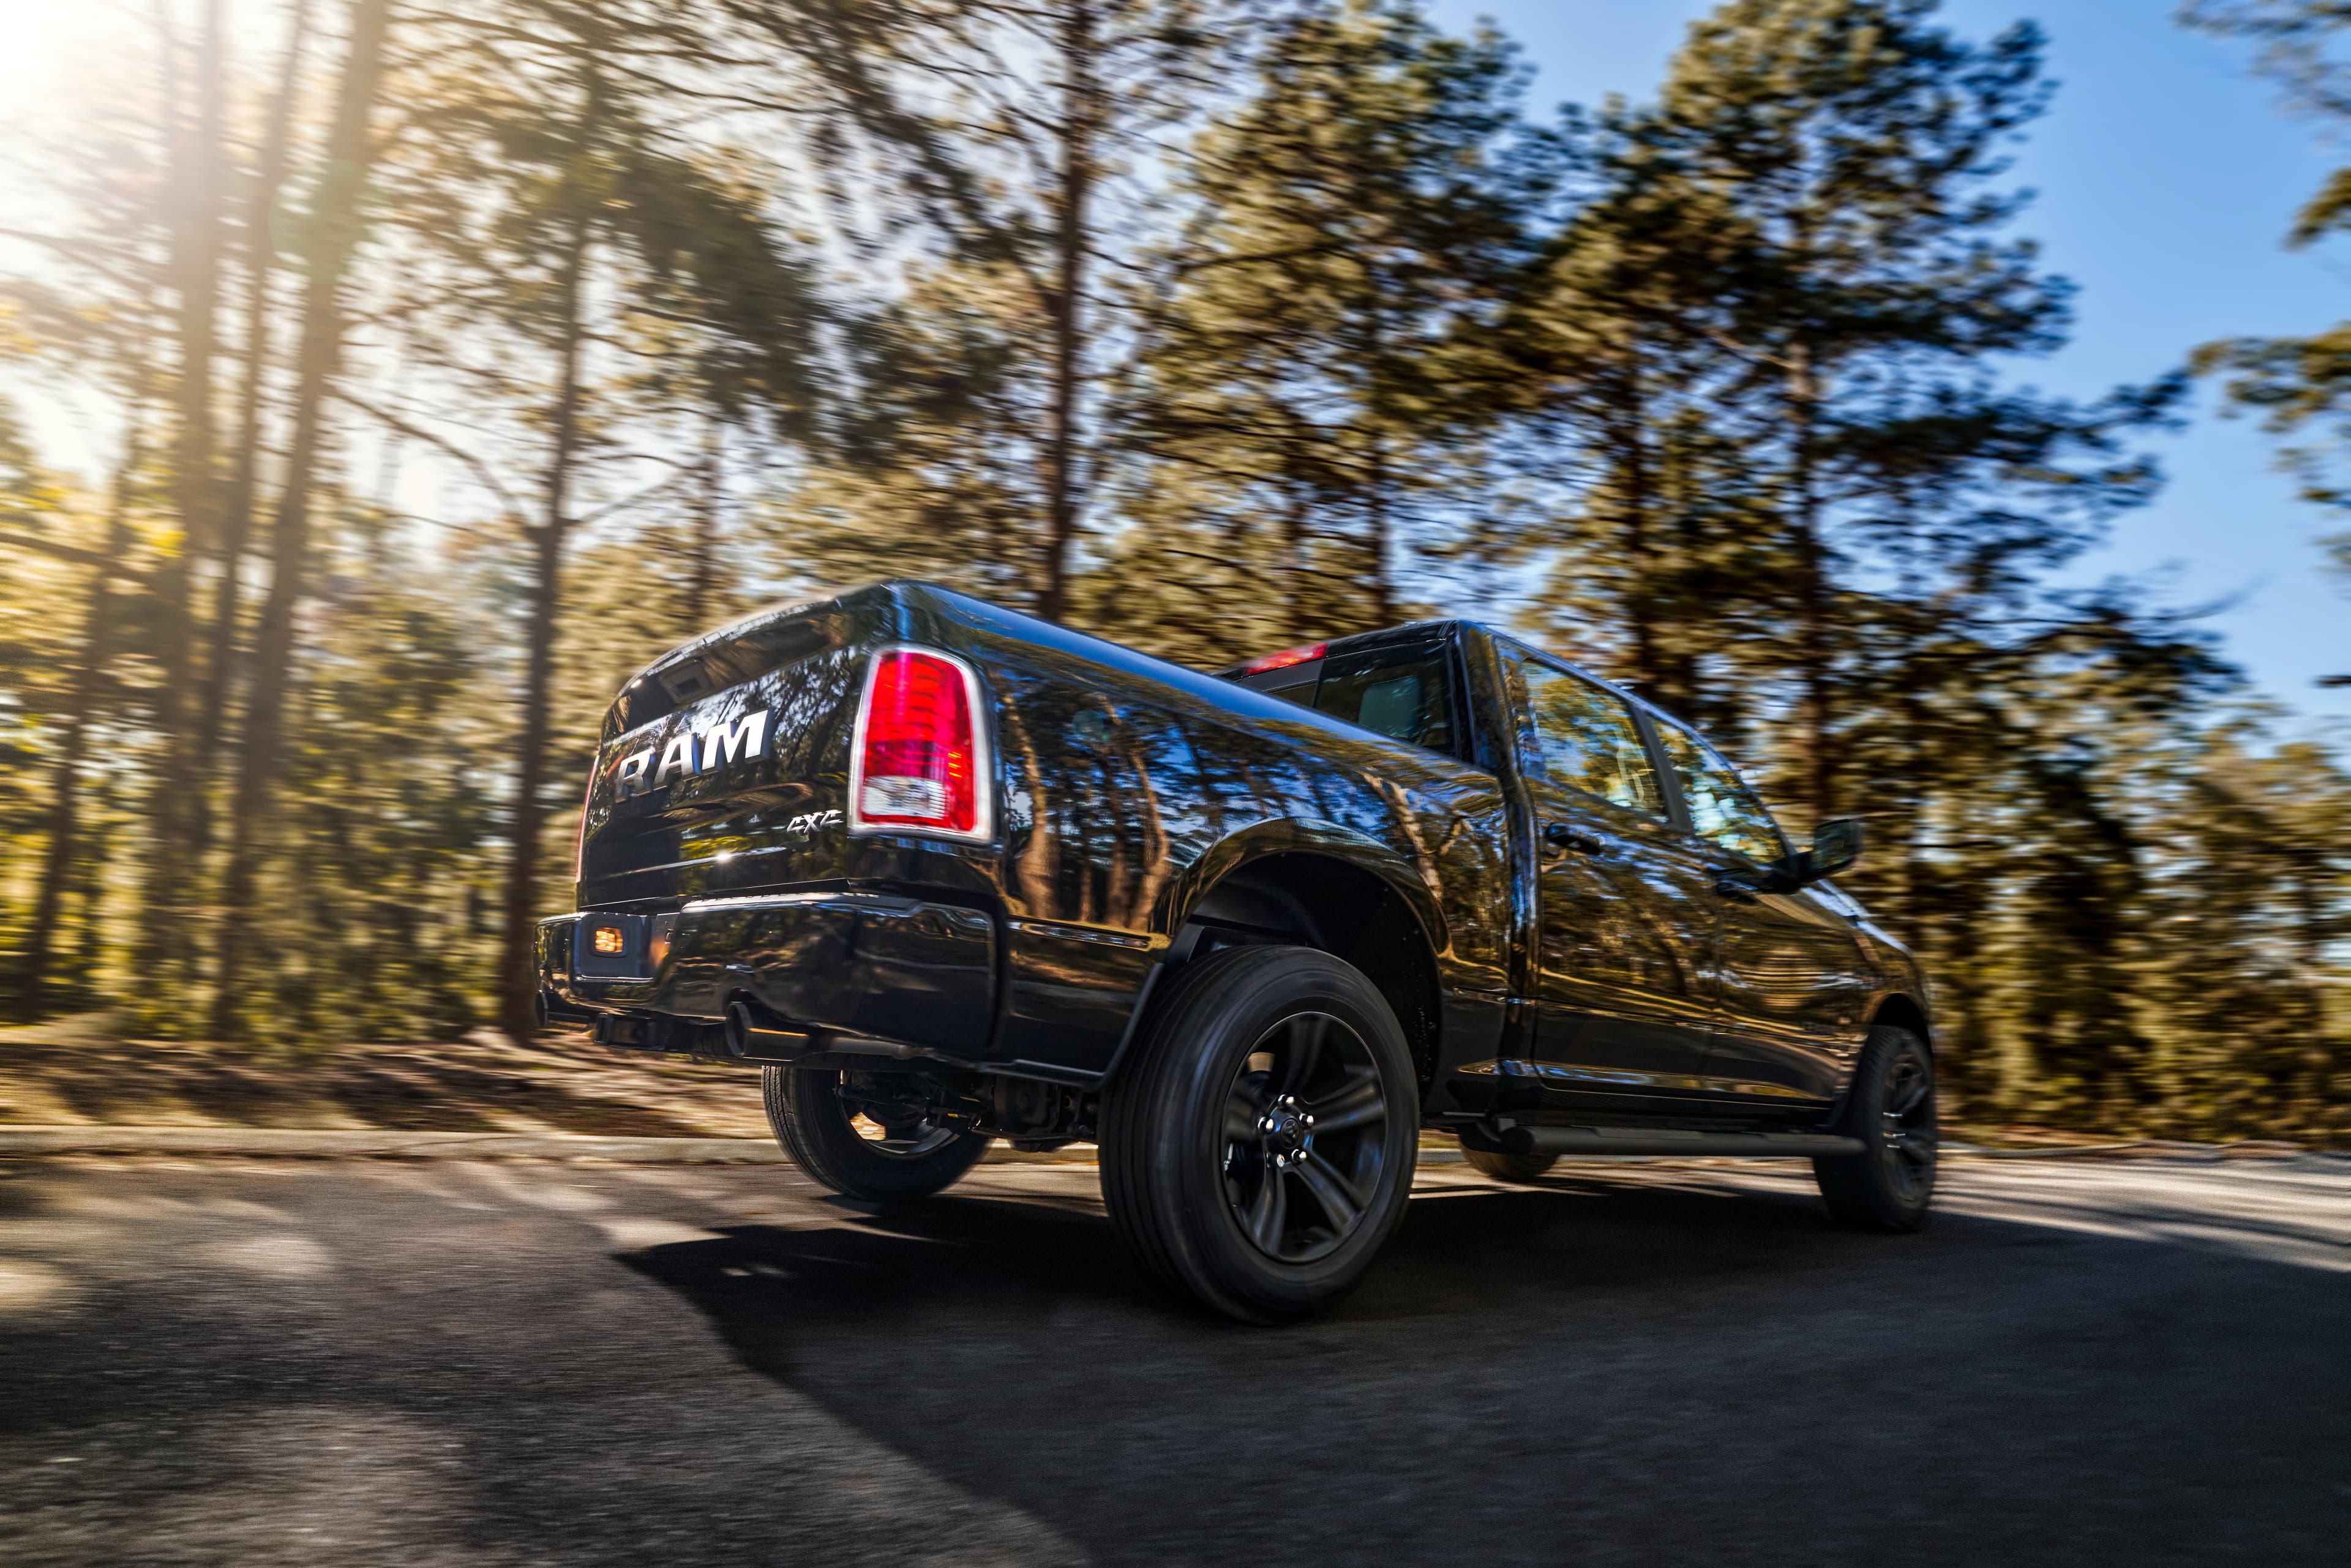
{"x":2251,"y":889}
{"x":545,"y":185}
{"x":1329,"y":358}
{"x":1807,"y":510}
{"x":2300,"y":387}
{"x":105,"y":583}
{"x":1844,"y":149}
{"x":1658,"y":553}
{"x":336,"y":223}
{"x":33,"y":506}
{"x":258,"y":259}
{"x":193,"y":270}
{"x":1019,"y":136}
{"x":930,"y":468}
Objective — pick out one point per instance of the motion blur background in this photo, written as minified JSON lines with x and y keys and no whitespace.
{"x":384,"y":381}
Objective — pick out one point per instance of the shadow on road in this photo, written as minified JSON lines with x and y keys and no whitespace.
{"x":1598,"y":1369}
{"x":434,"y":1365}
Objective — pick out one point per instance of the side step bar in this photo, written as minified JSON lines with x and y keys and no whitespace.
{"x":1655,"y":1141}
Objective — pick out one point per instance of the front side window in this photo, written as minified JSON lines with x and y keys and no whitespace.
{"x":1587,"y":740}
{"x":1721,"y":807}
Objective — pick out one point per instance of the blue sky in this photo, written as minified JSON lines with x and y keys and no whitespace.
{"x":2167,"y":175}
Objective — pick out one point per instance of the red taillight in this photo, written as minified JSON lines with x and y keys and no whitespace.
{"x":1284,"y":659}
{"x":918,"y":761}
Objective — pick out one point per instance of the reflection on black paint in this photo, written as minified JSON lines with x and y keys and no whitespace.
{"x":1128,"y":786}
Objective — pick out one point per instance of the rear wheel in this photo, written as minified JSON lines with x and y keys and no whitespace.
{"x":1891,"y":1109}
{"x":1258,"y":1148}
{"x":1508,"y":1167}
{"x":834,"y":1139}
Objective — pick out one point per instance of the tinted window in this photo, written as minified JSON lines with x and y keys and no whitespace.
{"x":1586,"y":740}
{"x":1721,"y":807}
{"x":1406,"y":693}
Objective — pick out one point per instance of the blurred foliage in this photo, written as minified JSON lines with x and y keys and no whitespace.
{"x":1209,"y":325}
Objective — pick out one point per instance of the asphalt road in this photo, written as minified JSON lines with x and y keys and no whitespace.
{"x":267,"y":1361}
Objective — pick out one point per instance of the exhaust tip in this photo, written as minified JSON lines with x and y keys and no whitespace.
{"x":752,"y":1035}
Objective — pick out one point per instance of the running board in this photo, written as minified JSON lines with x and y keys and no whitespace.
{"x":1657,"y":1141}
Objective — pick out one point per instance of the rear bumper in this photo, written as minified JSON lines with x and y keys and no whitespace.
{"x":873,"y":968}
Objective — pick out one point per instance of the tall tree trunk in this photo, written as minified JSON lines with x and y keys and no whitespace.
{"x":1375,"y":416}
{"x":336,"y":233}
{"x":1295,"y":559}
{"x":64,"y":816}
{"x":518,"y":969}
{"x":702,"y":563}
{"x":1630,"y":438}
{"x":1080,"y":124}
{"x":1376,"y":528}
{"x":1812,"y":672}
{"x":194,"y":272}
{"x":236,"y":514}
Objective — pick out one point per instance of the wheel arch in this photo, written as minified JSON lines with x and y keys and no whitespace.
{"x":1333,"y":891}
{"x":1904,"y":1012}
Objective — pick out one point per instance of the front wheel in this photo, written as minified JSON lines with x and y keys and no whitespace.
{"x":1891,"y":1109}
{"x":1258,"y":1148}
{"x":832,"y":1135}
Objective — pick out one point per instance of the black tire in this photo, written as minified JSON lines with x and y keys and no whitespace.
{"x":1508,"y":1167}
{"x":1265,"y":1077}
{"x":1891,"y":1109}
{"x":818,"y":1130}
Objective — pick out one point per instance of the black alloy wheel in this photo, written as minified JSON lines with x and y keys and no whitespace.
{"x":890,"y":1126}
{"x":859,"y":1143}
{"x":1305,"y":1136}
{"x":1258,"y":1145}
{"x":1891,"y":1110}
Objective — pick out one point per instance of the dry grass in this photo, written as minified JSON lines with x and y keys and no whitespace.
{"x":80,"y":1072}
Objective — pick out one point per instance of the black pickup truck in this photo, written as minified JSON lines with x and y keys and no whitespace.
{"x":948,"y":874}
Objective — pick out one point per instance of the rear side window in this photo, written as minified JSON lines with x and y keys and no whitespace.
{"x":1405,"y":692}
{"x":1588,"y":741}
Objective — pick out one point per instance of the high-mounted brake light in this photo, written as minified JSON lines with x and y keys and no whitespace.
{"x":920,"y":759}
{"x":1286,"y":658}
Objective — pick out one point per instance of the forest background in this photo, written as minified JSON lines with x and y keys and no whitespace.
{"x":1212,"y":326}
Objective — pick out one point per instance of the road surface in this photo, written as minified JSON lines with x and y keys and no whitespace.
{"x":263,"y":1362}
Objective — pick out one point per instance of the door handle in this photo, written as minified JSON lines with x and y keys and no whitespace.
{"x":1567,"y":838}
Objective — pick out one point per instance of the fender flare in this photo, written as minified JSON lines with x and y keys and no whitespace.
{"x":1301,"y":835}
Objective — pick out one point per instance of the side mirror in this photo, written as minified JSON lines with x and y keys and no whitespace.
{"x":1836,"y":845}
